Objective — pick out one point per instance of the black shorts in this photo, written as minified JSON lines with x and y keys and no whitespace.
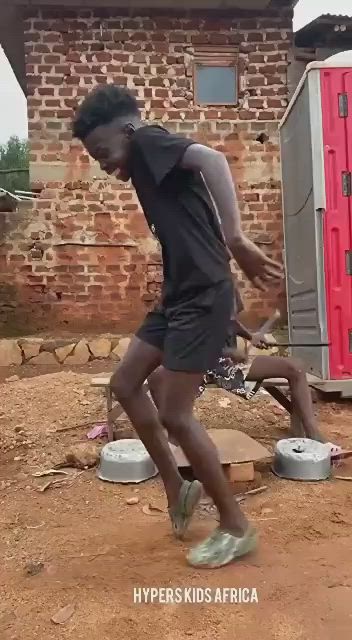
{"x":191,"y":335}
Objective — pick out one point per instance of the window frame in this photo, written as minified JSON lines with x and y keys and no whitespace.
{"x":216,"y":56}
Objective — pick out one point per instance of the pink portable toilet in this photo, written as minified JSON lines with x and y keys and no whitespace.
{"x":316,"y":155}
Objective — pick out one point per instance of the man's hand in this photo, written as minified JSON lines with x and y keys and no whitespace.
{"x":258,"y":267}
{"x":261,"y":341}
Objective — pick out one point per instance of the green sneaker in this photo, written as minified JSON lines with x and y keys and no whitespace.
{"x":181,"y":514}
{"x":221,"y":548}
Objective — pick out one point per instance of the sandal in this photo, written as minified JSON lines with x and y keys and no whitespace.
{"x":181,"y":514}
{"x":221,"y":548}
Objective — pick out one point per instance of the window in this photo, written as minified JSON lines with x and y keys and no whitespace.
{"x":215,"y":76}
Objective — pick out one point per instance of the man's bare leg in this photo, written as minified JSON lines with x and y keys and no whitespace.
{"x":155,"y":381}
{"x":127,"y":385}
{"x":179,"y":391}
{"x":266,"y":367}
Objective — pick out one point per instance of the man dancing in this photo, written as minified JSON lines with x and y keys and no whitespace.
{"x":178,"y":182}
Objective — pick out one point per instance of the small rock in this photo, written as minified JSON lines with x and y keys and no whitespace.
{"x":83,"y":455}
{"x":33,"y":568}
{"x":122,"y":347}
{"x":52,"y":345}
{"x":266,"y":512}
{"x":224,"y":403}
{"x":31,"y":348}
{"x":100,"y":348}
{"x":63,"y":615}
{"x":10,"y":353}
{"x":18,"y":458}
{"x":43,"y":358}
{"x":62,"y":352}
{"x":12,"y":379}
{"x":132,"y":500}
{"x":80,"y":355}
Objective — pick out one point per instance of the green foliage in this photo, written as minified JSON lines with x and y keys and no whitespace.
{"x":14,"y":155}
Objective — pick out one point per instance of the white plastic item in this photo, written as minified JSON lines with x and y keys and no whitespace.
{"x":126,"y":461}
{"x":302,"y":459}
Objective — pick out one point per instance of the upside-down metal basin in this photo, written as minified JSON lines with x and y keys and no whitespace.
{"x":126,"y":461}
{"x":302,"y":459}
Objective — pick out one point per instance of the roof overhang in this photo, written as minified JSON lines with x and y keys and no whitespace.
{"x":325,"y":30}
{"x":181,"y":4}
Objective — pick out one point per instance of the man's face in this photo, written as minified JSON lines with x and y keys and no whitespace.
{"x":109,"y":145}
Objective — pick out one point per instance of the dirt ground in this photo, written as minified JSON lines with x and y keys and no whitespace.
{"x":81,"y":544}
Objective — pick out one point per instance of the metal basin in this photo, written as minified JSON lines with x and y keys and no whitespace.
{"x":126,"y":461}
{"x":302,"y":459}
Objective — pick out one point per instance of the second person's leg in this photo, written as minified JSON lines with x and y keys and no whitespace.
{"x":266,"y":367}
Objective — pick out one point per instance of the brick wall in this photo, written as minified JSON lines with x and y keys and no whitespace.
{"x":111,"y":281}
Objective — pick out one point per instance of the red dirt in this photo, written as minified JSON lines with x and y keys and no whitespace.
{"x":95,"y":548}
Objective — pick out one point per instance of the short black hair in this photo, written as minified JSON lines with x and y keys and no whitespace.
{"x":101,"y":106}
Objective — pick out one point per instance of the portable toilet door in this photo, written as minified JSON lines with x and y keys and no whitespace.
{"x":336,"y":99}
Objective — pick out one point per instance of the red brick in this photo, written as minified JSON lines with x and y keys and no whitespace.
{"x":177,"y":36}
{"x":45,"y":68}
{"x":31,"y":36}
{"x":265,"y":46}
{"x":255,"y":81}
{"x":247,"y":114}
{"x":274,"y":80}
{"x":103,"y":56}
{"x":276,"y":103}
{"x":34,"y":80}
{"x":66,"y":91}
{"x":33,"y":58}
{"x":56,"y":80}
{"x":73,"y":80}
{"x":269,"y":69}
{"x":158,"y":36}
{"x":256,"y":58}
{"x":47,"y":113}
{"x":121,"y":36}
{"x":266,"y":115}
{"x":62,"y":69}
{"x":52,"y":37}
{"x":256,"y":36}
{"x":41,"y":48}
{"x":273,"y":36}
{"x":73,"y":56}
{"x":52,"y":102}
{"x":274,"y":57}
{"x":46,"y":91}
{"x":256,"y":103}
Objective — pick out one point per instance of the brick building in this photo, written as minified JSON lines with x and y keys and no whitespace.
{"x":83,"y":256}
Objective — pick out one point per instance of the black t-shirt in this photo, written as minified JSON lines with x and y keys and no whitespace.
{"x":180,"y":213}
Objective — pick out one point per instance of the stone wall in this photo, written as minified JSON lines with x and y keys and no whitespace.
{"x":84,"y":256}
{"x":69,"y":352}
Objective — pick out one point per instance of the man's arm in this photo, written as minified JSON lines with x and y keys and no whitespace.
{"x":217,"y":175}
{"x":241,"y":331}
{"x":218,"y":179}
